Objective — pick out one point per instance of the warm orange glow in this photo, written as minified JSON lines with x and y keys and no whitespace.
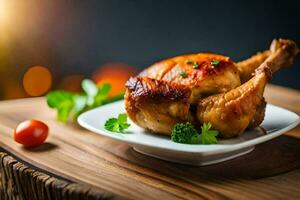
{"x":12,"y":89}
{"x":4,"y":16}
{"x":71,"y":83}
{"x":37,"y":81}
{"x":114,"y":73}
{"x":4,"y":12}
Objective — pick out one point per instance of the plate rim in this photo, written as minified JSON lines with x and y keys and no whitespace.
{"x":227,"y":147}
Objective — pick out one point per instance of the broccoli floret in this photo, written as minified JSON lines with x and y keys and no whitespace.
{"x":185,"y":133}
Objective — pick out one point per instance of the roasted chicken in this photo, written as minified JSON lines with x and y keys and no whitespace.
{"x":201,"y":88}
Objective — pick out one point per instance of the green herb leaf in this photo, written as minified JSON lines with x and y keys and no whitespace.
{"x":195,"y":65}
{"x":183,"y":74}
{"x":64,"y":110}
{"x":112,"y":125}
{"x":117,"y":124}
{"x":61,"y":101}
{"x":214,"y":62}
{"x":102,"y":94}
{"x":117,"y":97}
{"x":90,"y":88}
{"x":55,"y":98}
{"x":185,"y":133}
{"x":208,"y":136}
{"x":104,"y":89}
{"x":79,"y":105}
{"x":70,"y":105}
{"x":122,"y":119}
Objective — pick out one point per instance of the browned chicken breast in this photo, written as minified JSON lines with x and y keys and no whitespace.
{"x":205,"y":88}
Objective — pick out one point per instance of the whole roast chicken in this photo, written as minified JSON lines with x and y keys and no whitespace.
{"x":206,"y":88}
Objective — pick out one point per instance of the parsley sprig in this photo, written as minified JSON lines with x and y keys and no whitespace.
{"x":181,"y":133}
{"x":195,"y":65}
{"x":208,"y":136}
{"x":70,"y":105}
{"x":183,"y":74}
{"x":189,"y":62}
{"x":117,"y":124}
{"x":214,"y":62}
{"x":186,"y":133}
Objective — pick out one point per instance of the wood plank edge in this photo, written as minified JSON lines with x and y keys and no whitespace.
{"x":18,"y":180}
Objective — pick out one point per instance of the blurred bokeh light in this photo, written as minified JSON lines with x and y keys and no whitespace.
{"x":23,"y":29}
{"x":115,"y":74}
{"x":37,"y":81}
{"x":74,"y":39}
{"x":12,"y":88}
{"x":71,"y":83}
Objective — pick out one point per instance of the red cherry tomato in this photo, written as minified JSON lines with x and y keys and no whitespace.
{"x":31,"y":133}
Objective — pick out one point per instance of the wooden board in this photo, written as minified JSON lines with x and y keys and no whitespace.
{"x":271,"y":170}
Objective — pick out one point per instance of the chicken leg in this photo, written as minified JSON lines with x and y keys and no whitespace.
{"x":247,"y":67}
{"x":232,"y":112}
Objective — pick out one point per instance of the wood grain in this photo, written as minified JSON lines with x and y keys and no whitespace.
{"x":22,"y":182}
{"x":77,"y":157}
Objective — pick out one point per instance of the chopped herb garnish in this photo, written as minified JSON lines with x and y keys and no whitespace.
{"x":187,"y":134}
{"x":214,"y":62}
{"x":195,"y":65}
{"x":183,"y":74}
{"x":117,"y":124}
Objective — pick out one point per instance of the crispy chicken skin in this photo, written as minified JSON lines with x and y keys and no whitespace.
{"x":232,"y":112}
{"x":194,"y":88}
{"x":157,"y":105}
{"x":204,"y":80}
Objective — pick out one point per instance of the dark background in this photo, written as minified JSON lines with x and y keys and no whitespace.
{"x":76,"y":37}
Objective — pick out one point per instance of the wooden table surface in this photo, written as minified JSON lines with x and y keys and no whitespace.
{"x":79,"y":163}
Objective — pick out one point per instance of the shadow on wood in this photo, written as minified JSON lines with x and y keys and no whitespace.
{"x":47,"y":146}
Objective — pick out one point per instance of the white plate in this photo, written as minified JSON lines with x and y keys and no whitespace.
{"x":277,"y":121}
